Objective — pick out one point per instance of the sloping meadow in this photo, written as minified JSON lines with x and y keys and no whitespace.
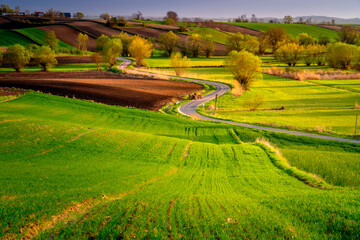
{"x":77,"y":169}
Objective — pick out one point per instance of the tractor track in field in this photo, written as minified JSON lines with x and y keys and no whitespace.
{"x":189,"y":108}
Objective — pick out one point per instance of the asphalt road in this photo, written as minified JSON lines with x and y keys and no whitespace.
{"x":189,"y":108}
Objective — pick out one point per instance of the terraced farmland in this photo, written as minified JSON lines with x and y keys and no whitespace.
{"x":85,"y":170}
{"x":293,"y":29}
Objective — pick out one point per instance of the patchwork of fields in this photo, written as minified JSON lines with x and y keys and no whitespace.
{"x":155,"y":176}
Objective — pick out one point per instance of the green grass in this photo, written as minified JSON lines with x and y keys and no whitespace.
{"x":100,"y":171}
{"x":164,"y":62}
{"x":352,"y":85}
{"x":8,"y":38}
{"x":219,"y":37}
{"x":293,"y":29}
{"x":38,"y":36}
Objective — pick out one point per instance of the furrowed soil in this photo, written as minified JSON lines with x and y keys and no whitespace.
{"x":74,"y":59}
{"x":230,"y":28}
{"x":68,"y":35}
{"x":102,"y":87}
{"x":95,"y":29}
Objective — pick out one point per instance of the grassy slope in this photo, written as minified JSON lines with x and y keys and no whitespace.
{"x":219,"y":37}
{"x":164,"y":62}
{"x":39,"y":36}
{"x":59,"y":68}
{"x":162,"y":176}
{"x":8,"y":38}
{"x":293,"y":29}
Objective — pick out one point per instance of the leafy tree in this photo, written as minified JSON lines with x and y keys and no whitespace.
{"x":17,"y":57}
{"x":342,"y":55}
{"x":122,"y":21}
{"x":111,"y":50}
{"x":208,"y":45}
{"x":195,"y":45}
{"x":238,"y":42}
{"x":168,"y":41}
{"x":105,"y":16}
{"x":100,"y":42}
{"x":82,"y":41}
{"x":288,"y":19}
{"x":140,"y":49}
{"x":45,"y":57}
{"x":275,"y":36}
{"x":126,"y":40}
{"x":290,"y":53}
{"x":304,"y":39}
{"x":79,"y":15}
{"x":31,"y":49}
{"x":349,"y":34}
{"x":179,"y":64}
{"x":263,"y":43}
{"x":245,"y":66}
{"x":171,"y":18}
{"x":97,"y":59}
{"x":309,"y":54}
{"x":51,"y":40}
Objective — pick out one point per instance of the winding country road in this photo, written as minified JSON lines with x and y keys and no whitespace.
{"x":189,"y":108}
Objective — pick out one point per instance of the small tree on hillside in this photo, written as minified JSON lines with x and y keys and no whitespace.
{"x":111,"y":50}
{"x":79,"y":15}
{"x":349,"y":34}
{"x":304,"y":39}
{"x":288,"y":19}
{"x":171,"y":18}
{"x":208,"y":45}
{"x":137,"y":16}
{"x":45,"y":57}
{"x":105,"y":16}
{"x":51,"y":40}
{"x":97,"y":59}
{"x":126,"y":40}
{"x":245,"y":67}
{"x":140,"y":49}
{"x":168,"y":42}
{"x":179,"y":64}
{"x":275,"y":36}
{"x":17,"y":57}
{"x":100,"y":42}
{"x":82,"y":41}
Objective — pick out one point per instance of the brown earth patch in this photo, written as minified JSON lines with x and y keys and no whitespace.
{"x":102,"y":87}
{"x":11,"y":91}
{"x":73,"y":59}
{"x":161,"y":26}
{"x":94,"y":28}
{"x":230,"y":28}
{"x":68,"y":34}
{"x":332,"y":27}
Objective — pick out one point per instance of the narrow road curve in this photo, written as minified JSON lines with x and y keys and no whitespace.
{"x":189,"y":108}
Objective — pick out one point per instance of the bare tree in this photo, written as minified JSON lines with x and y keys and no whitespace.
{"x":172,"y":15}
{"x":105,"y":16}
{"x":137,"y":16}
{"x":254,"y":19}
{"x":288,"y":19}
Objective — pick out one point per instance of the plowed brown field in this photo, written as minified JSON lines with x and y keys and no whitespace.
{"x":103,"y":87}
{"x":230,"y":28}
{"x":94,"y":28}
{"x":68,"y":35}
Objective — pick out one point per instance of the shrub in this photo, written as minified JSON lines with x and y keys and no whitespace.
{"x":17,"y":57}
{"x":179,"y":64}
{"x":290,"y":53}
{"x":51,"y":40}
{"x":253,"y":101}
{"x":245,"y":67}
{"x":341,"y":55}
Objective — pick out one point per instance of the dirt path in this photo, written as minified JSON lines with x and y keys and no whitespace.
{"x":189,"y":108}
